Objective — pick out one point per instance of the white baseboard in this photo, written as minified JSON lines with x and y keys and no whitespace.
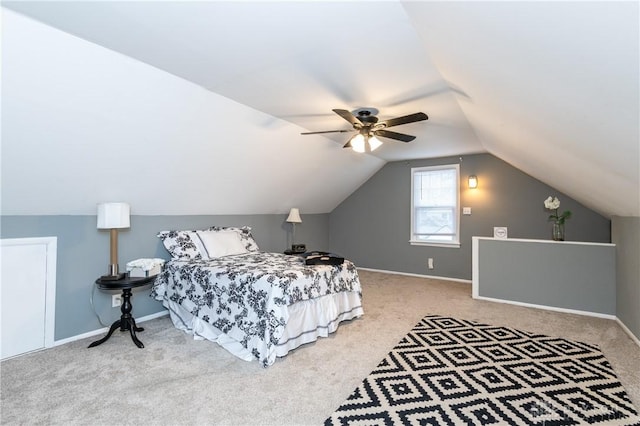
{"x":433,"y":277}
{"x":105,"y":329}
{"x":626,"y":330}
{"x":548,"y":308}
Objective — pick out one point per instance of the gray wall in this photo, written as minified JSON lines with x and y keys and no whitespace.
{"x":83,"y":255}
{"x":372,"y":226}
{"x":560,"y":274}
{"x":625,"y":233}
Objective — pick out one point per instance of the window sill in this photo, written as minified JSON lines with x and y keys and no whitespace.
{"x":432,"y":244}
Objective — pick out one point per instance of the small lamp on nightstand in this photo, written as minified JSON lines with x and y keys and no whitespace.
{"x":113,"y":216}
{"x":294,"y":217}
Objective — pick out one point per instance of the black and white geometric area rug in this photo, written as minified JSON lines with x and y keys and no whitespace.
{"x":447,"y":371}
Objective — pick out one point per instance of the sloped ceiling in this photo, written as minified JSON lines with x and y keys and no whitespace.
{"x":550,"y":87}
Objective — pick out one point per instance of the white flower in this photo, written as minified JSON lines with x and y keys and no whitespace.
{"x":552,"y":203}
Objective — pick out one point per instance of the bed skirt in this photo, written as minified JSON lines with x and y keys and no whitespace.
{"x":308,"y":320}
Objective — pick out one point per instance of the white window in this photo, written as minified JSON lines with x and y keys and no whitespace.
{"x":435,"y":201}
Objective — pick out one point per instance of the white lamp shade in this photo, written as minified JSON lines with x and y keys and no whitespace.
{"x":113,"y":215}
{"x":357,"y":143}
{"x":294,"y":216}
{"x":374,"y":143}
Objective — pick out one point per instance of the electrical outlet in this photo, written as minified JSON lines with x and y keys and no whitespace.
{"x":430,"y":263}
{"x":116,"y":300}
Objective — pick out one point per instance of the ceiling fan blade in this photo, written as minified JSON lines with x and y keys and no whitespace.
{"x":394,"y":135}
{"x":349,"y":117}
{"x":348,"y":144}
{"x":327,"y":131}
{"x":411,"y":118}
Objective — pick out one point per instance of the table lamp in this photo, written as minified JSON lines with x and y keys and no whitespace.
{"x":113,"y":216}
{"x":294,"y":217}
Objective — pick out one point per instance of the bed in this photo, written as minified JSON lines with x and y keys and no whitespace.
{"x":257,"y":305}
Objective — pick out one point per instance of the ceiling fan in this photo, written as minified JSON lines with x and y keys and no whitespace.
{"x":365,"y":122}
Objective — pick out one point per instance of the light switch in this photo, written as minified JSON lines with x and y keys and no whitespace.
{"x":466,"y":210}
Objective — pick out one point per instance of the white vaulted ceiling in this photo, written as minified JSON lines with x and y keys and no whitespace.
{"x":550,"y":87}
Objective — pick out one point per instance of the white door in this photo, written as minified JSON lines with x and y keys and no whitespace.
{"x":25,"y":276}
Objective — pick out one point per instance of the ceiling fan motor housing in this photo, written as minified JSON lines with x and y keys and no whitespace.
{"x":367,"y":115}
{"x":368,"y":119}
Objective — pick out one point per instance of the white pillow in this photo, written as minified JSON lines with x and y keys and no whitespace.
{"x":224,"y":243}
{"x":198,"y":243}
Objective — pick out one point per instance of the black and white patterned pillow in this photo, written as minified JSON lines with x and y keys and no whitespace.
{"x":245,"y":235}
{"x":181,"y":245}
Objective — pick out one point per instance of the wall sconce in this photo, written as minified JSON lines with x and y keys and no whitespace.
{"x":113,"y":216}
{"x":473,"y":181}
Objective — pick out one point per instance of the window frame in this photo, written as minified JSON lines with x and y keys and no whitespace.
{"x":456,"y":237}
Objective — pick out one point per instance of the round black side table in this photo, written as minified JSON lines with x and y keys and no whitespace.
{"x":126,"y":321}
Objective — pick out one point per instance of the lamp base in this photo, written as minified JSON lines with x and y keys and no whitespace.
{"x":112,"y":277}
{"x":114,"y":273}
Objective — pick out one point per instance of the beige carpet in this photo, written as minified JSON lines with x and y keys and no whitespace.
{"x":175,"y":380}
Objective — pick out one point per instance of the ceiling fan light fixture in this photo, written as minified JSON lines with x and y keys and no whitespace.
{"x":357,"y":143}
{"x":374,"y":143}
{"x":366,"y":123}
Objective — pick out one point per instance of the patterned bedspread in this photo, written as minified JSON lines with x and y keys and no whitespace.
{"x":245,"y":296}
